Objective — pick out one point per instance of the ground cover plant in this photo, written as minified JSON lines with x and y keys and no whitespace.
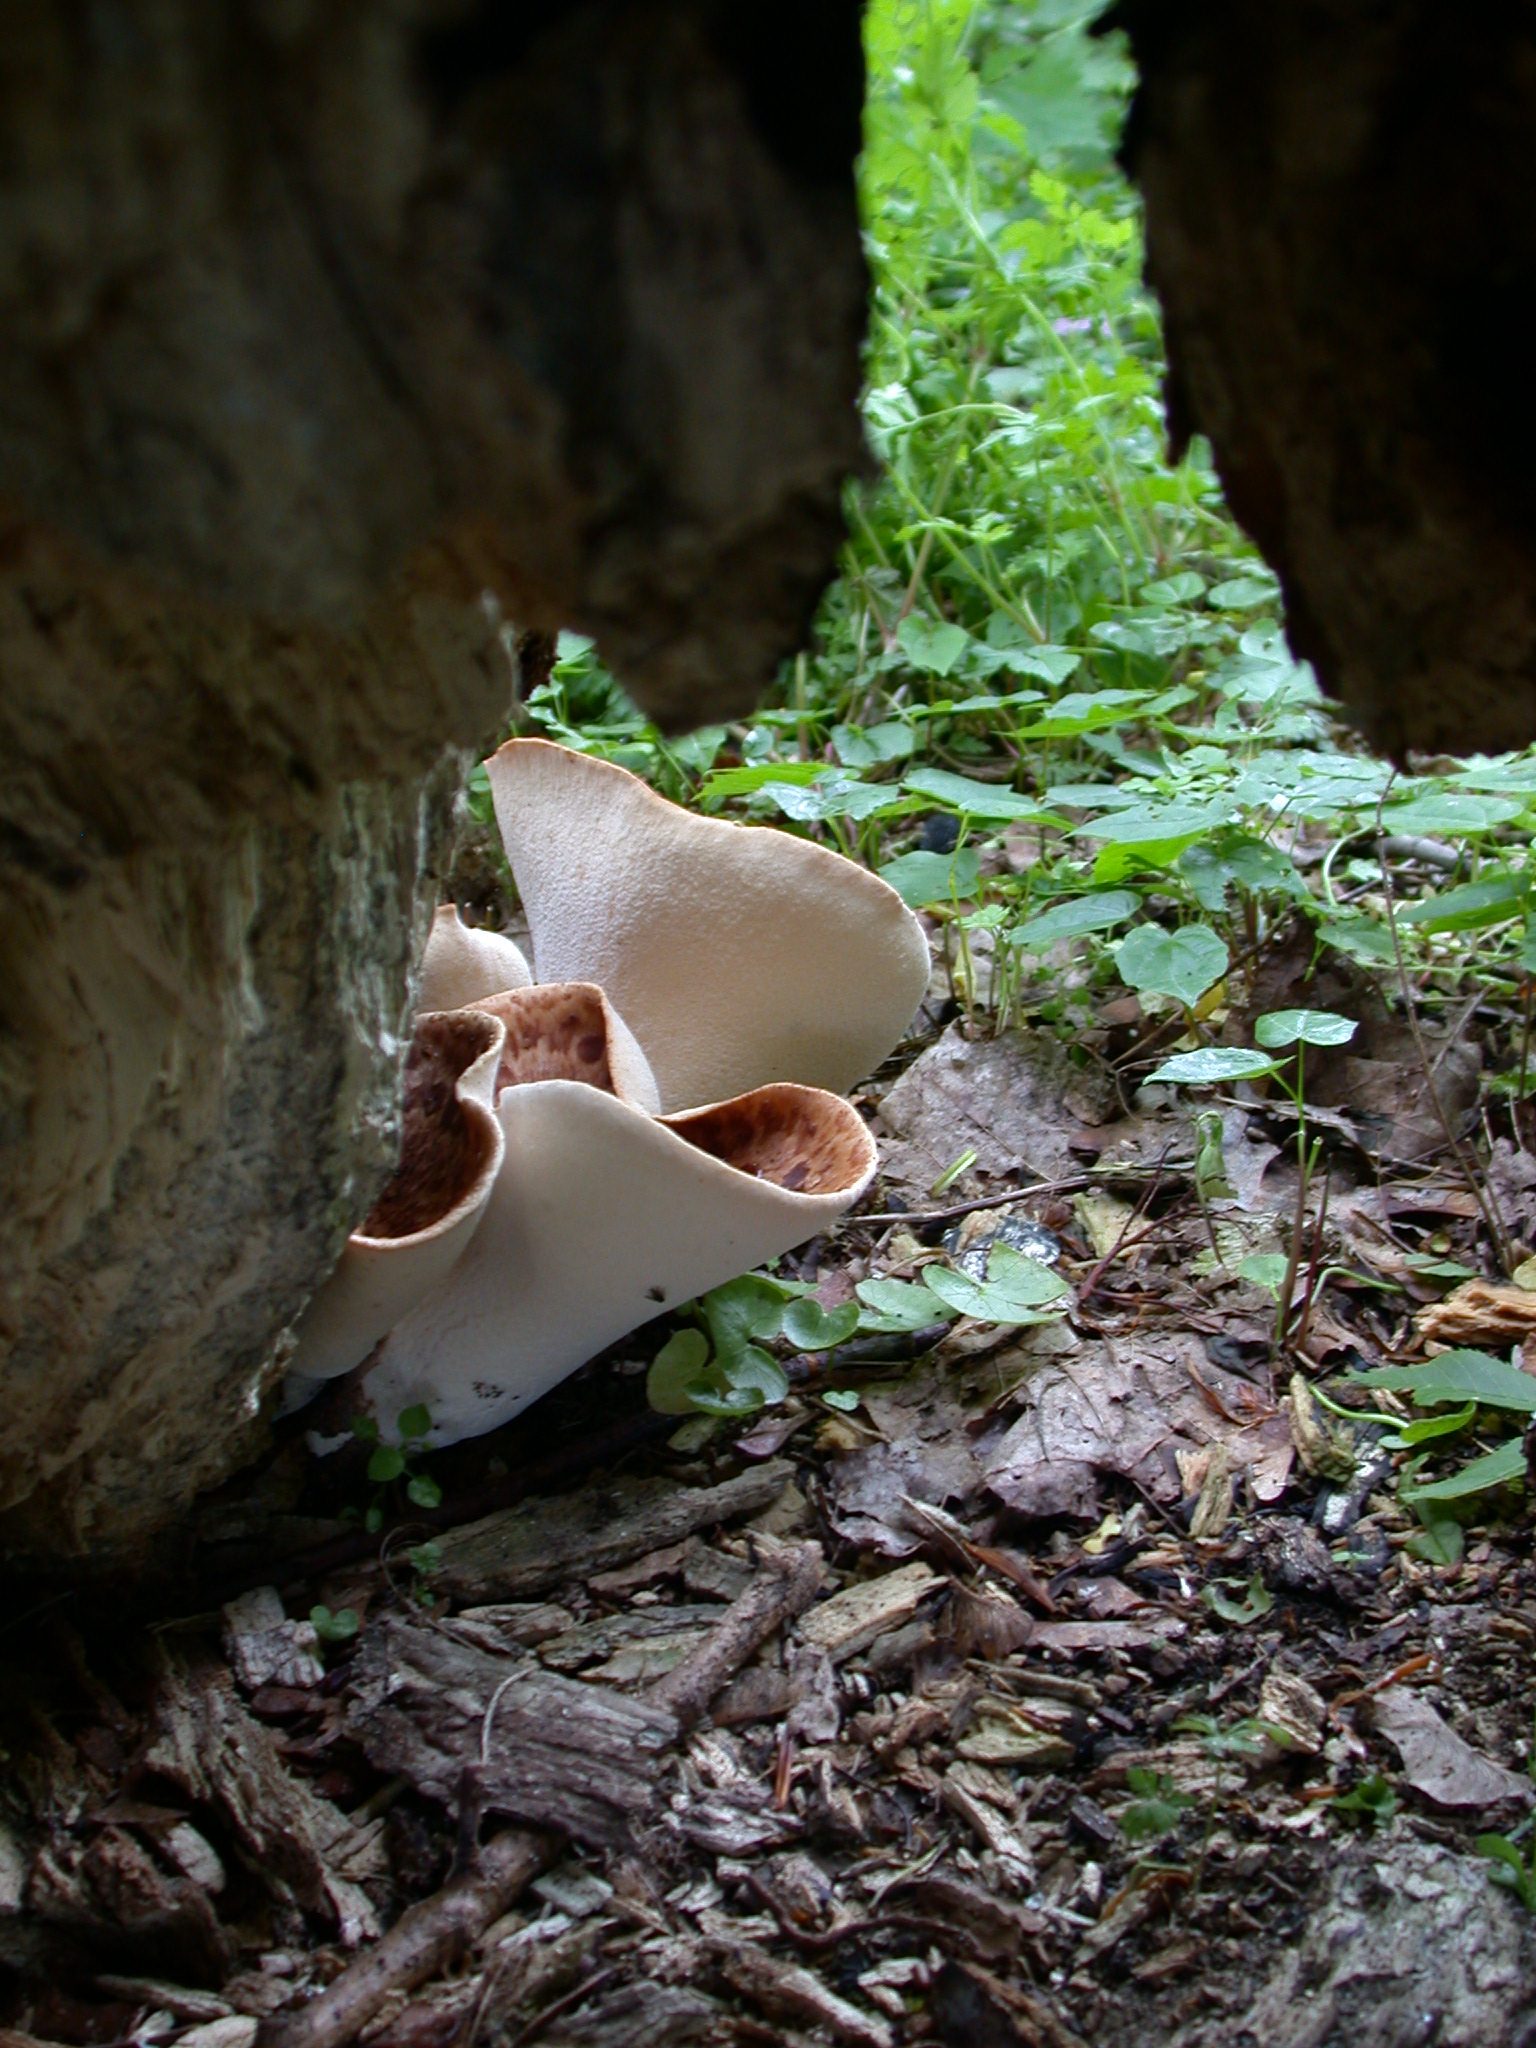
{"x":1086,"y":1594}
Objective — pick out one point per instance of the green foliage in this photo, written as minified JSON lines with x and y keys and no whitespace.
{"x":1255,"y":1601}
{"x":1516,"y":1872}
{"x":339,"y":1627}
{"x":388,"y":1464}
{"x":1373,"y":1800}
{"x":1156,"y":1808}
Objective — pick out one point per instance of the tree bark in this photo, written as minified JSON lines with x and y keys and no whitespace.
{"x":1340,"y":230}
{"x":333,"y":334}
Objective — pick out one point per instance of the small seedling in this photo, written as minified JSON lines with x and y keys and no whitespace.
{"x":1157,"y":1806}
{"x":1373,"y":1799}
{"x":389,"y":1463}
{"x":339,"y":1627}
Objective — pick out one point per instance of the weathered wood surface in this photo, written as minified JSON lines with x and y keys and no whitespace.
{"x":1337,"y":285}
{"x":508,"y":1737}
{"x":542,"y":1544}
{"x":318,"y":323}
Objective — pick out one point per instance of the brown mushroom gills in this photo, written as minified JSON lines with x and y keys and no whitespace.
{"x":801,"y":1139}
{"x":443,"y":1150}
{"x":557,"y":1032}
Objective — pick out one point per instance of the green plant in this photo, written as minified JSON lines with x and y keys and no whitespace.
{"x":1157,"y":1807}
{"x":339,"y":1627}
{"x":1471,"y":1384}
{"x":1372,"y":1800}
{"x":717,"y":1366}
{"x":1275,"y":1031}
{"x":1516,"y":1872}
{"x":388,"y":1464}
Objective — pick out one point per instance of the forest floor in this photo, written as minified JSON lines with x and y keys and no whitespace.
{"x":1080,"y":1681}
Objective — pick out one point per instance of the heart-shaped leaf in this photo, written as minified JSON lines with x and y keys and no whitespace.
{"x":677,"y":1366}
{"x":1303,"y":1027}
{"x":1182,"y":964}
{"x":810,"y":1327}
{"x":896,"y":1307}
{"x":742,"y":1312}
{"x":920,"y":878}
{"x":1014,"y":1290}
{"x":934,"y":648}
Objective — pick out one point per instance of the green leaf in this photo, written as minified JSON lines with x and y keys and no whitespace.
{"x":747,"y":780}
{"x":1074,"y":916}
{"x":834,"y":794}
{"x":1014,"y":1289}
{"x":414,"y":1422}
{"x":1373,"y":1797}
{"x":974,"y":799}
{"x":1184,"y":588}
{"x":869,"y":746}
{"x":810,"y":1327}
{"x":1266,"y":1270}
{"x":1238,"y":862}
{"x":1439,"y":1542}
{"x":1496,"y":1468}
{"x":1256,"y":1601}
{"x":1510,"y":1870}
{"x":426,"y":1557}
{"x":1457,"y":1376}
{"x":1278,"y":1028}
{"x":754,"y":1372}
{"x":897,"y":1307}
{"x":1472,"y":907}
{"x":676,"y":1367}
{"x":930,"y":647}
{"x":1082,"y":711}
{"x":714,"y":1399}
{"x":1162,"y":825}
{"x":1213,"y":1063}
{"x":1182,"y":964}
{"x":1431,"y":1426}
{"x":1242,"y":593}
{"x":1451,"y":810}
{"x":423,"y":1491}
{"x":843,"y":1399}
{"x":339,"y":1627}
{"x":742,"y":1312}
{"x":365,"y":1429}
{"x":1362,"y":938}
{"x":920,"y":878}
{"x":387,"y":1463}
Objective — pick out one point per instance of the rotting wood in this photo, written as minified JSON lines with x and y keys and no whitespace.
{"x":423,"y":1941}
{"x":786,"y":1587}
{"x":209,"y":1746}
{"x":460,"y":1722}
{"x":540,"y":1544}
{"x":851,"y":1620}
{"x":788,"y":1991}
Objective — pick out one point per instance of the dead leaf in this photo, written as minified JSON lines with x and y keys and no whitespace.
{"x":1436,"y":1761}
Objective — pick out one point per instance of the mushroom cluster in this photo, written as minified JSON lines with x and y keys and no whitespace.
{"x":653,"y":1108}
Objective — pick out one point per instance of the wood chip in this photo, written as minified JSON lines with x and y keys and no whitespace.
{"x":217,"y":1753}
{"x":851,"y":1620}
{"x":789,"y":1992}
{"x":1081,"y":1637}
{"x":1015,"y":1862}
{"x":541,"y":1544}
{"x":1479,"y":1312}
{"x":554,"y":1752}
{"x":790,"y":1580}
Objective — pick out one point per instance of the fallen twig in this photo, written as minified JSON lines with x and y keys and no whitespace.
{"x":423,"y":1942}
{"x":786,"y":1587}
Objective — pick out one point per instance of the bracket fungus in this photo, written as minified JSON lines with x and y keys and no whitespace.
{"x":697,"y":963}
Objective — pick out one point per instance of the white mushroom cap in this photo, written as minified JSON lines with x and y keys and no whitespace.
{"x":415,"y":1233}
{"x":602,"y":1218}
{"x":736,"y":954}
{"x":463,"y":963}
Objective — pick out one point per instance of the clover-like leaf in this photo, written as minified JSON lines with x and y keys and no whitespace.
{"x":897,"y":1307}
{"x":1014,"y":1291}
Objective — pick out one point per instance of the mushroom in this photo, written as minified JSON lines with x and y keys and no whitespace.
{"x":603,"y":1216}
{"x":463,"y":963}
{"x":684,"y":960}
{"x":417,"y":1230}
{"x":736,"y":954}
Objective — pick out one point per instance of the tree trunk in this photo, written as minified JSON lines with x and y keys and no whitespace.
{"x":331,"y":334}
